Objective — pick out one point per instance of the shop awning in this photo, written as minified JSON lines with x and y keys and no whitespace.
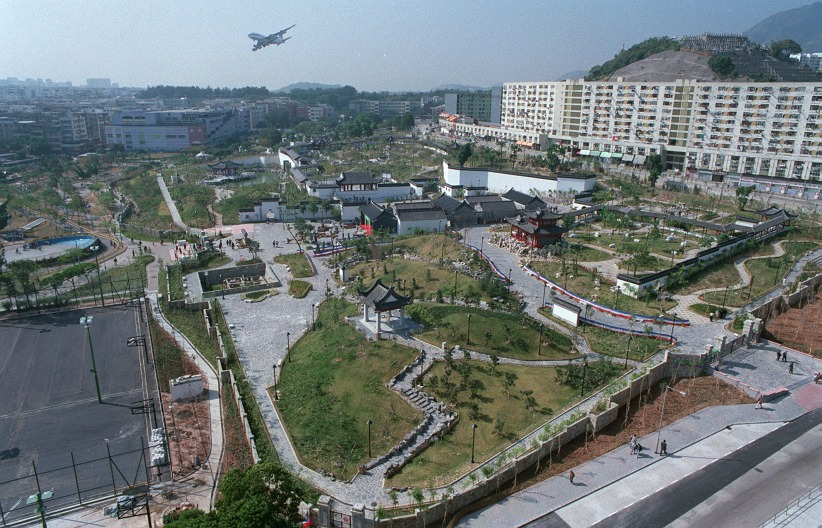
{"x":628,"y":157}
{"x":604,"y":154}
{"x":584,"y":152}
{"x":595,"y":153}
{"x":616,"y":155}
{"x":639,"y":160}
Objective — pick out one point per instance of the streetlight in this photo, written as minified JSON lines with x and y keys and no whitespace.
{"x":288,"y":345}
{"x":369,"y":422}
{"x":473,"y":440}
{"x":539,"y":350}
{"x":276,"y":396}
{"x":482,"y":240}
{"x":628,"y":350}
{"x":544,"y":287}
{"x":454,"y":295}
{"x":313,"y":323}
{"x":327,"y":289}
{"x":662,"y":412}
{"x":584,"y":372}
{"x":509,"y":280}
{"x":468,"y":338}
{"x":86,"y":322}
{"x":724,"y":297}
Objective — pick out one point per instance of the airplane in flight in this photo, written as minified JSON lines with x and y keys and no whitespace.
{"x":262,"y":41}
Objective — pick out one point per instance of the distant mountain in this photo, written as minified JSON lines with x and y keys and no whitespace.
{"x":802,"y":24}
{"x":460,"y":88}
{"x":307,"y":86}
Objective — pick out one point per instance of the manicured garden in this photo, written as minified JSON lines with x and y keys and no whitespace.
{"x":333,"y":384}
{"x":297,"y":263}
{"x":583,"y":282}
{"x":504,"y":401}
{"x":495,"y":333}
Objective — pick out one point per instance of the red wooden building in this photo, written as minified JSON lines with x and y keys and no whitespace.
{"x":537,"y":229}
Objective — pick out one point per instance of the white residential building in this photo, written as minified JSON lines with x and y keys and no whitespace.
{"x":767,"y":129}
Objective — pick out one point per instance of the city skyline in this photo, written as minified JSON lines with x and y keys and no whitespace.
{"x":373,"y":46}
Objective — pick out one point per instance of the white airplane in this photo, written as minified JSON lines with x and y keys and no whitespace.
{"x":262,"y":41}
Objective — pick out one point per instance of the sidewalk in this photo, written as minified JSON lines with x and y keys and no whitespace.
{"x":703,"y":432}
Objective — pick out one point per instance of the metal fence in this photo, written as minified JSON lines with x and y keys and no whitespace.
{"x":78,"y":478}
{"x":87,"y":290}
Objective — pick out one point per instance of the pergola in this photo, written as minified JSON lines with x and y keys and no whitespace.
{"x":381,"y":300}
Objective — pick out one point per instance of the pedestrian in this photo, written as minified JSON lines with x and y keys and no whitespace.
{"x":638,"y":449}
{"x":759,"y":401}
{"x":778,"y":355}
{"x":571,"y":476}
{"x":663,"y":448}
{"x":784,"y":356}
{"x":790,"y":368}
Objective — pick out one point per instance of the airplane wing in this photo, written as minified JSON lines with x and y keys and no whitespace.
{"x":256,"y":36}
{"x":282,"y":31}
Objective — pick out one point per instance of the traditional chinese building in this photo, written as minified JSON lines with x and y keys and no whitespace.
{"x":381,"y":301}
{"x":536,"y":229}
{"x":225,"y":168}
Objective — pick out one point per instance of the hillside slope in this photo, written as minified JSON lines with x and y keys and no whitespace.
{"x":802,"y":24}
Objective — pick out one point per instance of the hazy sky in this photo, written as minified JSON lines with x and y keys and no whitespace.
{"x":372,"y":45}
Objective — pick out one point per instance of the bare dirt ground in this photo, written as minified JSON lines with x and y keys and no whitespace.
{"x":188,"y":433}
{"x":799,"y":328}
{"x":642,"y":418}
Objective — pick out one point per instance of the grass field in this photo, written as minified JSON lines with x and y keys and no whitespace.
{"x":495,"y":333}
{"x":583,"y":282}
{"x":297,"y":263}
{"x":334,"y":384}
{"x":615,"y":345}
{"x":298,"y":288}
{"x":519,"y":398}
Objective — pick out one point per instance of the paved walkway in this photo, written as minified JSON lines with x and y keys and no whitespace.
{"x":703,"y":434}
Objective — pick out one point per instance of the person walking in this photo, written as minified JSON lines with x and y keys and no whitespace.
{"x":663,"y":447}
{"x":759,"y":401}
{"x":571,"y":476}
{"x":790,"y":368}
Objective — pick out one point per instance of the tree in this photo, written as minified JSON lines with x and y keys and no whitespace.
{"x":743,"y":195}
{"x":722,"y":66}
{"x":655,"y":168}
{"x":264,"y":495}
{"x":464,"y":154}
{"x":782,"y":49}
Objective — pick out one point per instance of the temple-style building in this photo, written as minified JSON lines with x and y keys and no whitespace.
{"x":536,"y":229}
{"x":382,"y":301}
{"x":225,"y":168}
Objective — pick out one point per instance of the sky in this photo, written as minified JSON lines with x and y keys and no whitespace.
{"x":373,"y":45}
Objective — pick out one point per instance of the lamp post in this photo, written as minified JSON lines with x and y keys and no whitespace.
{"x":327,"y":289}
{"x":725,"y":297}
{"x":482,"y":240}
{"x":276,"y":395}
{"x":662,"y":412}
{"x":288,"y":345}
{"x":473,"y":440}
{"x":584,"y":372}
{"x":86,"y":322}
{"x":454,"y":294}
{"x":313,"y":322}
{"x":539,"y":350}
{"x":750,"y":287}
{"x":468,"y":338}
{"x":369,"y":422}
{"x":509,"y":279}
{"x":544,"y":287}
{"x":628,"y":350}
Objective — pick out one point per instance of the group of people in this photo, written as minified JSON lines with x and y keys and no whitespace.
{"x":636,"y":447}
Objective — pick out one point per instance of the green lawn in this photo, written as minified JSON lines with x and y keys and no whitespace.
{"x":495,"y":333}
{"x":334,"y":384}
{"x":615,"y":345}
{"x":583,"y":282}
{"x":766,"y":274}
{"x":517,"y":397}
{"x":299,"y":288}
{"x":297,"y":263}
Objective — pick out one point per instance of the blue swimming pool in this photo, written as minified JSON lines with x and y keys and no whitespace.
{"x":71,"y":242}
